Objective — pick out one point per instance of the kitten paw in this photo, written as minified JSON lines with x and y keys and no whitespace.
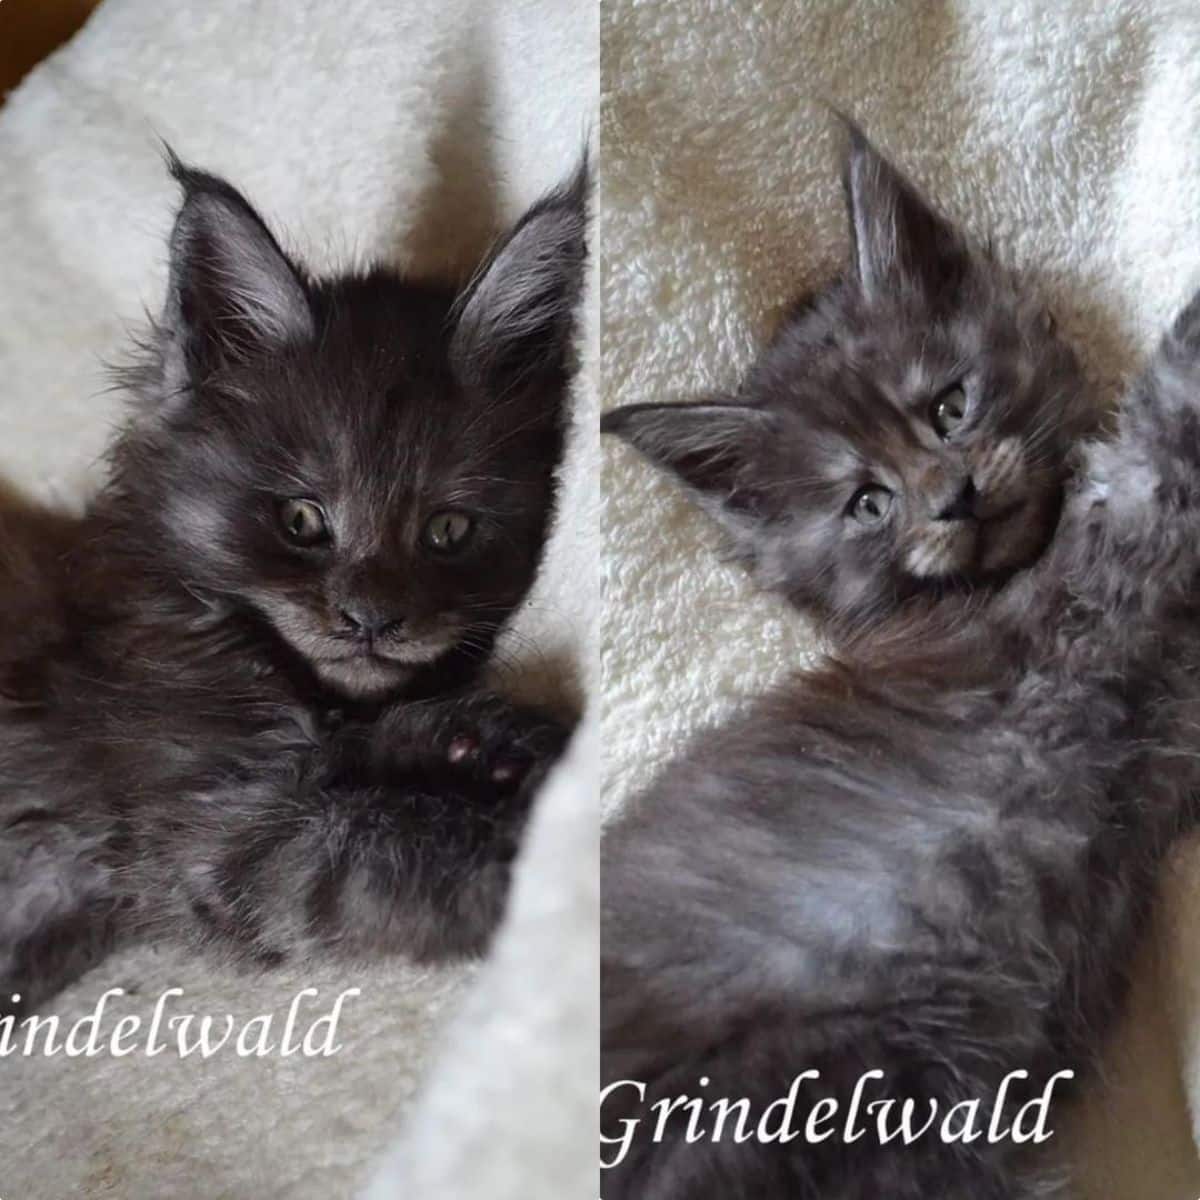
{"x":506,"y":745}
{"x":467,"y":750}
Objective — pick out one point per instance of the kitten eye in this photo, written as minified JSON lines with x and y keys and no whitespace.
{"x":303,"y":522}
{"x":448,"y":531}
{"x":871,"y":505}
{"x":948,"y":410}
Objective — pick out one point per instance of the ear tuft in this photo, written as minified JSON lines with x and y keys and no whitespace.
{"x":900,"y":242}
{"x":232,"y":291}
{"x":514,"y":322}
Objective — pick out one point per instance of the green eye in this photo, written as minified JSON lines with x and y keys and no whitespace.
{"x":948,"y":410}
{"x":447,"y":532}
{"x":303,"y":522}
{"x":871,"y":505}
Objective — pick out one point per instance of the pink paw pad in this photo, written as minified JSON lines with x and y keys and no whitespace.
{"x":461,"y":748}
{"x":507,"y":772}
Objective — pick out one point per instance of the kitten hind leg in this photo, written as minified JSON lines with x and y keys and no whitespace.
{"x":58,"y":915}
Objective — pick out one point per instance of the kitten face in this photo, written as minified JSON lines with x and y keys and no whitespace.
{"x":909,"y":428}
{"x":316,"y":489}
{"x":364,"y":463}
{"x":908,"y":446}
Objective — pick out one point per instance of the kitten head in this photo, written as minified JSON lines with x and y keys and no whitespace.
{"x":362,"y":464}
{"x":910,"y":427}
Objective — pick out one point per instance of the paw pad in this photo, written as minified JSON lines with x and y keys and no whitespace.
{"x":461,"y":748}
{"x":507,"y":772}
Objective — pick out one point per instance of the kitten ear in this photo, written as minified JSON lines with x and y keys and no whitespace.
{"x":713,"y":447}
{"x":232,"y":292}
{"x":900,"y":242}
{"x":515,"y":320}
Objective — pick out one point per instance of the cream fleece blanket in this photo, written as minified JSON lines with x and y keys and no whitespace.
{"x":410,"y":130}
{"x":1070,"y":133}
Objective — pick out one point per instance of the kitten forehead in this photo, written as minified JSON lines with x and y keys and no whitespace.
{"x":969,"y":334}
{"x":920,"y":377}
{"x":838,"y":455}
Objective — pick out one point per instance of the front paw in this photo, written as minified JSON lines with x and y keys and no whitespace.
{"x":511,"y":748}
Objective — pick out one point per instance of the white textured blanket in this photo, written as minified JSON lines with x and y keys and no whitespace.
{"x":410,"y":129}
{"x":1070,"y":133}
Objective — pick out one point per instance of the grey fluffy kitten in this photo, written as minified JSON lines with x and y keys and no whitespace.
{"x":931,"y":855}
{"x":245,"y":713}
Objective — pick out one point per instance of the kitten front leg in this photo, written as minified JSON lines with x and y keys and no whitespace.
{"x":388,"y":839}
{"x":480,"y":733}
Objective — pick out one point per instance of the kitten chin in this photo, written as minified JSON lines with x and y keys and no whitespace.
{"x":376,"y":676}
{"x":362,"y":678}
{"x":1016,"y":538}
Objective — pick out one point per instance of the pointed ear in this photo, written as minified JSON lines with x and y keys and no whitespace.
{"x":515,"y":320}
{"x":715,"y":448}
{"x":232,"y":292}
{"x":900,"y":242}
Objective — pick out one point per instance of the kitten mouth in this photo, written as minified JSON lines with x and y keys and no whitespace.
{"x":982,"y":545}
{"x":396,"y":654}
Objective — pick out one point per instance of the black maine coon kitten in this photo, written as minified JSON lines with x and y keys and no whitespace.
{"x":245,"y":715}
{"x":931,"y":855}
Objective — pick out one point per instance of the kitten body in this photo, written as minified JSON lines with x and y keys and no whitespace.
{"x":256,"y":723}
{"x":931,"y":856}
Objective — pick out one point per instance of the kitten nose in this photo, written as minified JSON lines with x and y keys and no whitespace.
{"x":367,"y":625}
{"x":962,"y":507}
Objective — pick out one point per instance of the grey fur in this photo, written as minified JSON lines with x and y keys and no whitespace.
{"x":217,"y":734}
{"x":931,"y":855}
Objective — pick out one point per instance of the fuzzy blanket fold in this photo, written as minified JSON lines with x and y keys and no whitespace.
{"x":1067,"y":133}
{"x":411,"y":131}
